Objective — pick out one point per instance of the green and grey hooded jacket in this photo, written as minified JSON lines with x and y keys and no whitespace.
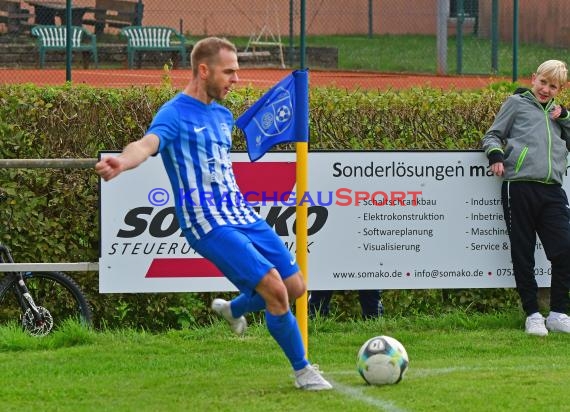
{"x":532,"y":146}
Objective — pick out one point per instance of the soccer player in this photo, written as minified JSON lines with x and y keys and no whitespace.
{"x":192,"y":133}
{"x":527,"y":145}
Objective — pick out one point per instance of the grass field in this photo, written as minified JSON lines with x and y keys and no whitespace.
{"x":418,"y":54}
{"x":457,"y":363}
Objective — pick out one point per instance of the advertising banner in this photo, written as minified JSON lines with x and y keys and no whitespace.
{"x":142,"y":246}
{"x":376,"y":220}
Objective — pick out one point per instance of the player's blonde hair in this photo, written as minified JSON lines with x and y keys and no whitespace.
{"x":206,"y":51}
{"x":554,"y":70}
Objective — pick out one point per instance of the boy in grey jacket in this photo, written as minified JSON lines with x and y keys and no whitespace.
{"x":528,"y":144}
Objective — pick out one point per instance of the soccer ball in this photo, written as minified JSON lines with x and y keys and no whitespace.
{"x":382,"y":360}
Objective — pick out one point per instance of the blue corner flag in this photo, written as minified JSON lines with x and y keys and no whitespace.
{"x":281,"y":115}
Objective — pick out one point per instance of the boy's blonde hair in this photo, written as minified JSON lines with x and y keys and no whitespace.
{"x":554,"y":70}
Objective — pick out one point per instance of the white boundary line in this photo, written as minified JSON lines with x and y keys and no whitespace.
{"x":359,"y":395}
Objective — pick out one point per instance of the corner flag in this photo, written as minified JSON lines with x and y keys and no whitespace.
{"x":281,"y":115}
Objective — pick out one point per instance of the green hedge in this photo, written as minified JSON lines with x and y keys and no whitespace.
{"x":52,"y":215}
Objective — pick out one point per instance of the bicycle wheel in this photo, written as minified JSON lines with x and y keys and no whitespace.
{"x":56,"y":295}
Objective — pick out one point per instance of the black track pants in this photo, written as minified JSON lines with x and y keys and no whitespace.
{"x":370,"y":303}
{"x":533,"y":209}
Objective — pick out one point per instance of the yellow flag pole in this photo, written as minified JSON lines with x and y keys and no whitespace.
{"x":301,"y":305}
{"x":302,"y":149}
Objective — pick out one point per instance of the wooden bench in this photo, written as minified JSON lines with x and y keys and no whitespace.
{"x":14,"y":16}
{"x":154,"y":39}
{"x":54,"y":38}
{"x":116,"y":14}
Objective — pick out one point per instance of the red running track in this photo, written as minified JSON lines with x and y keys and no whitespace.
{"x":256,"y":77}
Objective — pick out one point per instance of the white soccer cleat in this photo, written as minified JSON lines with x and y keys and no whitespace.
{"x":561,"y":323}
{"x":534,"y":325}
{"x":310,"y":379}
{"x":222,"y":308}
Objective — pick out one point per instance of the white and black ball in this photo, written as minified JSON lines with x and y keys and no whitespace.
{"x":382,"y":360}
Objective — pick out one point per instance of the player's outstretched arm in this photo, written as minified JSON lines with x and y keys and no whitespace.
{"x":133,"y":155}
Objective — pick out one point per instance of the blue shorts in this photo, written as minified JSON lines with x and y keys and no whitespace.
{"x":245,"y":253}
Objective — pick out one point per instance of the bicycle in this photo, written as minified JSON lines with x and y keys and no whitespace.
{"x":40,"y":301}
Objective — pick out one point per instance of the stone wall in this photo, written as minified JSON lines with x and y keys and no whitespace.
{"x":23,"y":53}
